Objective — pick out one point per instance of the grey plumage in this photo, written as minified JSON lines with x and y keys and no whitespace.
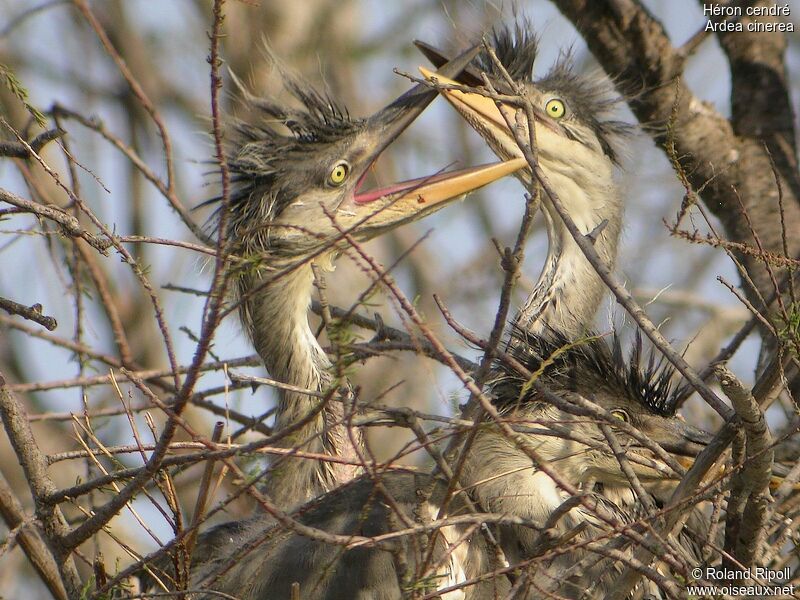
{"x":296,"y":176}
{"x":268,"y":160}
{"x":578,"y":153}
{"x":595,"y":362}
{"x":591,"y":99}
{"x":257,"y":559}
{"x":262,"y":561}
{"x":505,"y":480}
{"x":577,"y":139}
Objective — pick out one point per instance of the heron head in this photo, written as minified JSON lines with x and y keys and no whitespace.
{"x":634,"y":396}
{"x":297,"y":174}
{"x":575,"y":134}
{"x":680,"y":439}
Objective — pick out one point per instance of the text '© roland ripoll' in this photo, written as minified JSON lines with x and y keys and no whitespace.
{"x":739,"y":18}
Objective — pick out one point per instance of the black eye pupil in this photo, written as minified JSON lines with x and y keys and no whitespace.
{"x":338,"y":173}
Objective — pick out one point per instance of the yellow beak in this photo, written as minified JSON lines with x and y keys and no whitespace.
{"x":410,"y":200}
{"x":484,"y":108}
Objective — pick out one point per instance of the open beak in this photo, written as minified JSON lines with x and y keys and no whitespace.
{"x":481,"y":112}
{"x":392,"y":120}
{"x":469,"y":75}
{"x":486,"y":117}
{"x":480,"y":106}
{"x":393,"y":205}
{"x":400,"y":203}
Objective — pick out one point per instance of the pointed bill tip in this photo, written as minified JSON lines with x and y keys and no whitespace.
{"x":424,"y":192}
{"x":485,"y":108}
{"x":433,"y":75}
{"x":390,"y":207}
{"x":463,"y":182}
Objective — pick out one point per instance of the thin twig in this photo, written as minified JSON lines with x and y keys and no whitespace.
{"x":18,"y":150}
{"x":68,"y":224}
{"x":202,"y":493}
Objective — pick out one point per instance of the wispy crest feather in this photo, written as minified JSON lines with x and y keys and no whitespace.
{"x":589,"y":364}
{"x":591,"y":96}
{"x":276,"y":135}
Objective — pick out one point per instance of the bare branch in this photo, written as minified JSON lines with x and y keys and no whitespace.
{"x":32,"y":313}
{"x":33,"y":462}
{"x":754,"y":478}
{"x":18,"y":150}
{"x":30,"y":541}
{"x":67,"y":223}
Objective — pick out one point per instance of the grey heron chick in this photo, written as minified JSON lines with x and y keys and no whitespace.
{"x":637,"y":402}
{"x":297,"y":176}
{"x":297,"y":179}
{"x":633,"y":390}
{"x":253,"y":560}
{"x":576,"y":137}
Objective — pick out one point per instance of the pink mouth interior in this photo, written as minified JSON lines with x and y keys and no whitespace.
{"x":372,"y":195}
{"x":363,"y":177}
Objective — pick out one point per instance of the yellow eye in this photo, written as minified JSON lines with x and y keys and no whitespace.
{"x":338,"y":173}
{"x":620,"y":414}
{"x":555,"y":108}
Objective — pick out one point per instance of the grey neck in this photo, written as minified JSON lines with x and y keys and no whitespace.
{"x":569,"y":291}
{"x":276,"y":317}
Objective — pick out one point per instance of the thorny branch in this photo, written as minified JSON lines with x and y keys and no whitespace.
{"x":34,"y":465}
{"x":32,"y":313}
{"x":113,"y":311}
{"x":752,"y":481}
{"x":68,"y":224}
